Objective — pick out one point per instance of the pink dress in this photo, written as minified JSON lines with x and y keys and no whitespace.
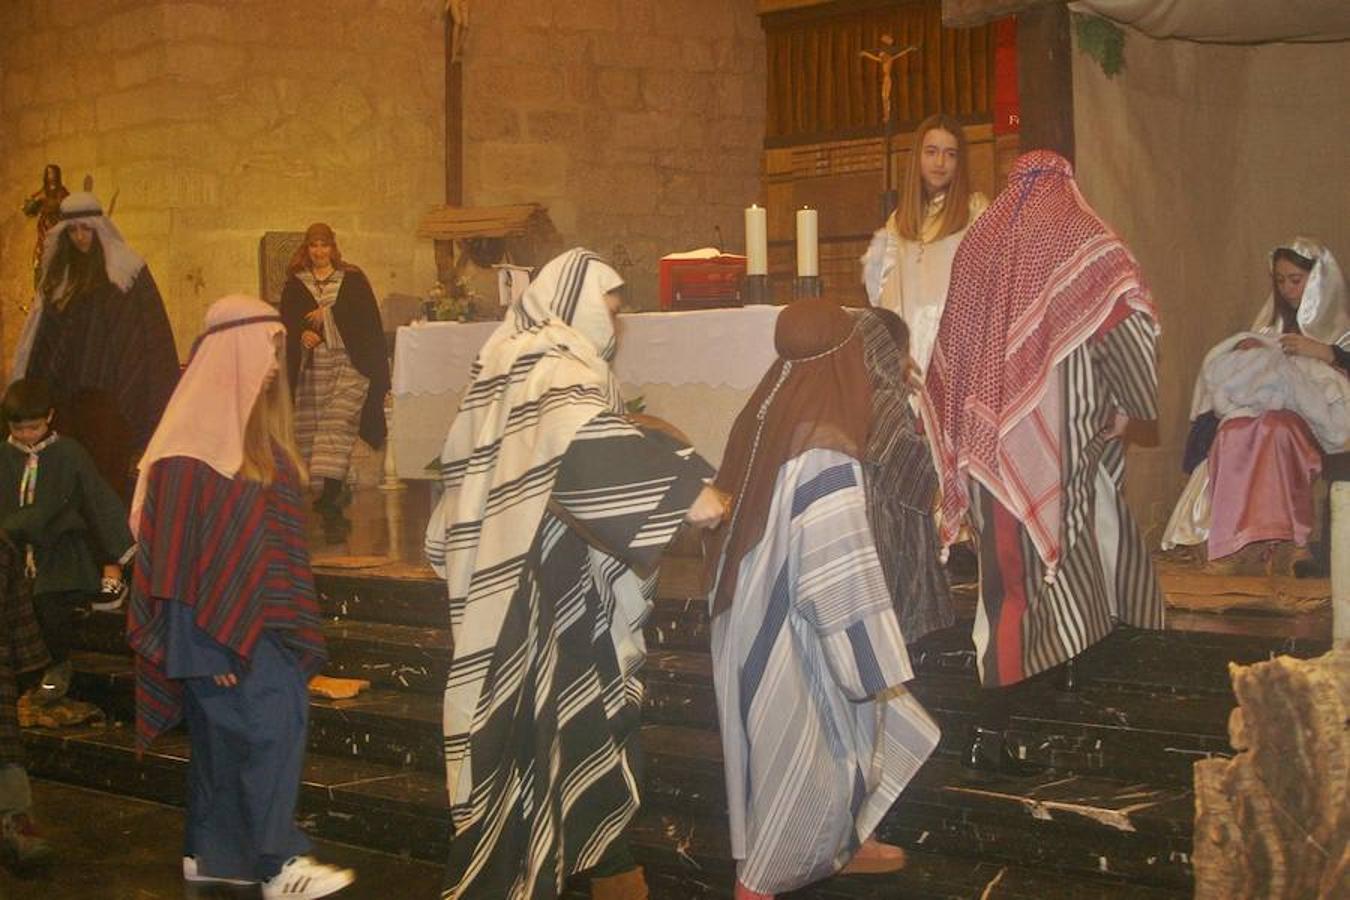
{"x":1262,"y":471}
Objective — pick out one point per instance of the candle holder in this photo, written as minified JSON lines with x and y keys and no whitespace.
{"x":757,"y":291}
{"x":807,"y":287}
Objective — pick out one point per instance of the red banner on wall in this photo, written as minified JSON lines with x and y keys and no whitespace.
{"x":1007,"y":106}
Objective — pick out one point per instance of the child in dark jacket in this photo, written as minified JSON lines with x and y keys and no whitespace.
{"x":68,"y":523}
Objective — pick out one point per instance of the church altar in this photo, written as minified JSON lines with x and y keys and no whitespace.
{"x":695,"y":369}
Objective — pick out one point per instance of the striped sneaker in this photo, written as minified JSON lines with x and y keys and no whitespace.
{"x":191,"y":873}
{"x":304,"y":878}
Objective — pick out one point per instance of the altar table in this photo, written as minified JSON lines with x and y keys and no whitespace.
{"x":695,"y":369}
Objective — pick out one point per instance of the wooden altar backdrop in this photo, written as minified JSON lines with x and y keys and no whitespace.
{"x":824,"y":134}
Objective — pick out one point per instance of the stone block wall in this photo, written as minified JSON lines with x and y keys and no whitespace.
{"x":638,"y":123}
{"x":214,"y":121}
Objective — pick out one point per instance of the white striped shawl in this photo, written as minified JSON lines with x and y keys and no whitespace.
{"x":536,"y":382}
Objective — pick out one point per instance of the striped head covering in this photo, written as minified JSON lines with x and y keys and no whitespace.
{"x":120,"y":262}
{"x":542,"y":375}
{"x":209,"y":410}
{"x":815,"y":396}
{"x":1036,"y":276}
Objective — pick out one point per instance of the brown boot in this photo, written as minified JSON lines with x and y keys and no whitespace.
{"x":630,"y":885}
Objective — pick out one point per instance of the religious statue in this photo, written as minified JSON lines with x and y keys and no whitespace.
{"x":886,"y":55}
{"x":458,"y":11}
{"x":44,"y":204}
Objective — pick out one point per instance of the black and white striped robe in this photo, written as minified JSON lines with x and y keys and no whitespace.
{"x":555,"y":766}
{"x":1024,"y":624}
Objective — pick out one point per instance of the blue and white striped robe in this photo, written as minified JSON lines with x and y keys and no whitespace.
{"x":819,"y":735}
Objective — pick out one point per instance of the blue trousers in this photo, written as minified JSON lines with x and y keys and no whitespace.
{"x":248,"y":747}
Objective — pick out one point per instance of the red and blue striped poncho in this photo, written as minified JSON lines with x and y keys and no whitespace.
{"x":234,"y":550}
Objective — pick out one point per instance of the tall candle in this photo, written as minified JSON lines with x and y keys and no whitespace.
{"x":756,"y":240}
{"x":808,"y":253}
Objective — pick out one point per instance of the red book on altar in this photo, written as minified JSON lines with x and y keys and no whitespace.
{"x":701,"y":279}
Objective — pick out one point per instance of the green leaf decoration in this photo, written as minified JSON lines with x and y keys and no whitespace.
{"x":1103,"y":40}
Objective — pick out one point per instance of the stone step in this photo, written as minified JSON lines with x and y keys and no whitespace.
{"x":1174,"y":660}
{"x":1104,"y":728}
{"x":386,"y":808}
{"x":1136,"y":829}
{"x":1097,"y":730}
{"x":396,"y":811}
{"x":402,"y":657}
{"x":382,"y":725}
{"x":1087,"y":825}
{"x":697,"y":848}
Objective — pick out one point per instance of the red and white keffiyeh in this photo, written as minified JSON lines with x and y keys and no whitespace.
{"x":1037,"y":275}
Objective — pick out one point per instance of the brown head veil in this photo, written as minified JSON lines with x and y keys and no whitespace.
{"x":816,"y":396}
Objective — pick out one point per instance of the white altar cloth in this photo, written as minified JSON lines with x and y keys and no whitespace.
{"x":695,"y":369}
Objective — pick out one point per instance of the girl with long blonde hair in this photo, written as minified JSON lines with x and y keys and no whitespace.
{"x":908,"y":267}
{"x":224,"y":618}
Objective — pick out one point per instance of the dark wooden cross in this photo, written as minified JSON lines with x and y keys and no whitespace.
{"x":1044,"y":65}
{"x":456,"y":23}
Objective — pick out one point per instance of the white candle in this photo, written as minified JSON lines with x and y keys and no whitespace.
{"x":808,"y":253}
{"x":756,"y":240}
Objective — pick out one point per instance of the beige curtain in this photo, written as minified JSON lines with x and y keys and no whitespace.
{"x":1230,"y":21}
{"x":1203,"y":157}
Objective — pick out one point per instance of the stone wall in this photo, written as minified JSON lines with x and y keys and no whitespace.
{"x":212,"y":122}
{"x":638,"y":123}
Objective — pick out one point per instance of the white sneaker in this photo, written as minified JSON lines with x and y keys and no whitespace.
{"x":190,"y":873}
{"x":303,"y":878}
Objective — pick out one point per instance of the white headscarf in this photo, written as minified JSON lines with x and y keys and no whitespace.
{"x":542,"y":375}
{"x":121,"y":263}
{"x":209,"y":410}
{"x":1322,"y":314}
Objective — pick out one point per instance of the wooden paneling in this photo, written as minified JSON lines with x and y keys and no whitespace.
{"x":821,"y":88}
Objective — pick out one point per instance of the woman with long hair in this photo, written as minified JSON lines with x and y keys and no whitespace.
{"x":223,"y":618}
{"x":336,"y":360}
{"x":1269,"y":404}
{"x":99,"y":336}
{"x":908,"y":267}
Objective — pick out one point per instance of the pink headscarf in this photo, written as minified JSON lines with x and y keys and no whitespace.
{"x":1035,"y":277}
{"x":210,"y":408}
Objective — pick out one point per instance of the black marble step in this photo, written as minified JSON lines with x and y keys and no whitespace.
{"x":353,"y":801}
{"x":1087,"y":825}
{"x":383,"y":808}
{"x":1079,"y":825}
{"x":402,"y":657}
{"x":1102,"y":729}
{"x":385,"y":726}
{"x":394,"y":598}
{"x":1174,"y":660}
{"x":692,"y":852}
{"x":1098,"y":730}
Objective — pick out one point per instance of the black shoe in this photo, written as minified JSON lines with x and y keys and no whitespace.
{"x":1067,"y":680}
{"x":990,"y":751}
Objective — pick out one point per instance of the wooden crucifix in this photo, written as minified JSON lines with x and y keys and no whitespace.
{"x":456,"y":26}
{"x":885,"y":55}
{"x":1044,"y":65}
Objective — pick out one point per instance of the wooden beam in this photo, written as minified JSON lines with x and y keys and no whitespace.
{"x":969,"y":13}
{"x":1045,"y":80}
{"x":454,"y":120}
